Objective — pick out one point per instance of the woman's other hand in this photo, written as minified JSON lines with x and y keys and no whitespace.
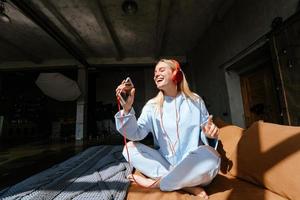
{"x":210,"y":129}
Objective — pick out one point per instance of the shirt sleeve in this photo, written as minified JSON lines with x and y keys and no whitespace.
{"x":204,"y":115}
{"x":135,"y":129}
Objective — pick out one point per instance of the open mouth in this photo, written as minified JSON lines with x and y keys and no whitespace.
{"x":160,"y":79}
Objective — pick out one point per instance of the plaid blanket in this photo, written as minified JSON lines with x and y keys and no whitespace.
{"x":97,"y":173}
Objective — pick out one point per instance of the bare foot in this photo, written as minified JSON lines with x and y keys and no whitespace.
{"x":197,"y":191}
{"x":145,"y":182}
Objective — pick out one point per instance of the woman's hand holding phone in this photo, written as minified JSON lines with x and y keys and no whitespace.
{"x":125,"y":93}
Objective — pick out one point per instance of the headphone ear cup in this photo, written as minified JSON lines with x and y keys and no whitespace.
{"x":174,"y":75}
{"x":177,"y":76}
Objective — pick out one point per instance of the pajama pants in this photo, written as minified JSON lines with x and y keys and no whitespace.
{"x":199,"y":167}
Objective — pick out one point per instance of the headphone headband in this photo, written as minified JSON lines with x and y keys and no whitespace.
{"x":177,"y":65}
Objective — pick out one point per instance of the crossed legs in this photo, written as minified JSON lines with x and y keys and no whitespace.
{"x":198,"y":168}
{"x":146,"y":182}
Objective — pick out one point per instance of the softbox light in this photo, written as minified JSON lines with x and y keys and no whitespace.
{"x":58,"y":86}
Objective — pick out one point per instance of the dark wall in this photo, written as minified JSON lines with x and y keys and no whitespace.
{"x":108,"y":80}
{"x":244,"y":23}
{"x":27,"y":112}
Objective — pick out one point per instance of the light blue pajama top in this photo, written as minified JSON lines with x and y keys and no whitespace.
{"x":191,"y":115}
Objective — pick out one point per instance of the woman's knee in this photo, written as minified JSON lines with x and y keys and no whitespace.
{"x":213,"y":165}
{"x":209,"y":154}
{"x":214,"y":160}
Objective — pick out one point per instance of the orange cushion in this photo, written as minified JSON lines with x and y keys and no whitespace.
{"x":137,"y":192}
{"x":269,"y":155}
{"x":223,"y":187}
{"x":229,"y":137}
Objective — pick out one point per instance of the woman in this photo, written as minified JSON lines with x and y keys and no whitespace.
{"x":185,"y":138}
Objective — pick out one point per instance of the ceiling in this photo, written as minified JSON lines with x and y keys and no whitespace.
{"x":95,"y":32}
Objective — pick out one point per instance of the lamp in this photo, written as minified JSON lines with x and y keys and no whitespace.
{"x":129,"y":7}
{"x":3,"y":17}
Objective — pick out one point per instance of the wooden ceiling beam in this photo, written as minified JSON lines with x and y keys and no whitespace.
{"x":70,"y":29}
{"x":102,"y":18}
{"x":25,"y":52}
{"x":94,"y":62}
{"x":163,"y":16}
{"x":50,"y":28}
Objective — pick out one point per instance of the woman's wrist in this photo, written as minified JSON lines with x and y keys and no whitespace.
{"x":127,"y":110}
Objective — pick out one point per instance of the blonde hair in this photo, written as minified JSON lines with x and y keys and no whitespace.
{"x":183,"y":86}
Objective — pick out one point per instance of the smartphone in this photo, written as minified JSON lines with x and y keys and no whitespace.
{"x":125,"y":94}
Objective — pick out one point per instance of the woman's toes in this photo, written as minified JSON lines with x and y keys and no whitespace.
{"x":130,"y":177}
{"x":203,"y":195}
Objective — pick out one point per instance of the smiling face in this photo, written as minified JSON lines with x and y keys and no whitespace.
{"x":163,"y":76}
